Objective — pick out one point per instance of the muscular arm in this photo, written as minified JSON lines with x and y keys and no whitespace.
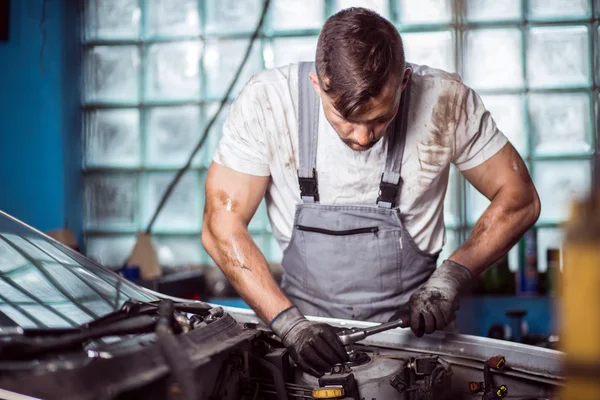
{"x":231,"y":200}
{"x":514,"y":208}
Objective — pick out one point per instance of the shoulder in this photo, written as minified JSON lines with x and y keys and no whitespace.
{"x":433,"y":81}
{"x":440,"y":94}
{"x":273,"y":79}
{"x":269,"y":88}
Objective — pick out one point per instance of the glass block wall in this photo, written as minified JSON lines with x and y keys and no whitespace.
{"x":155,"y":71}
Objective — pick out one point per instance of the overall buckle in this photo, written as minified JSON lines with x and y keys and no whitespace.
{"x":309,"y":187}
{"x":388,"y":193}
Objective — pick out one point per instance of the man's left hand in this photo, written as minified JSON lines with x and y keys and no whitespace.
{"x":433,"y":306}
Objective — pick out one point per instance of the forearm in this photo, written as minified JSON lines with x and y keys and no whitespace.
{"x":510,"y":214}
{"x":241,"y":261}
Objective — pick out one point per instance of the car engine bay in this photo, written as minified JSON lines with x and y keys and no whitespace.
{"x":212,"y":353}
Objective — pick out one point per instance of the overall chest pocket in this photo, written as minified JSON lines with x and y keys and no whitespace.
{"x":351,"y":266}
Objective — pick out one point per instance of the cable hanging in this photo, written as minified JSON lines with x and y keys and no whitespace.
{"x":183,"y":169}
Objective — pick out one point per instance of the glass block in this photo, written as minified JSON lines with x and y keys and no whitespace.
{"x":508,"y":113}
{"x":112,"y":20}
{"x":183,"y":210}
{"x":275,"y":254}
{"x":492,"y":58}
{"x":558,"y":183}
{"x":561,"y":123}
{"x":12,"y":294}
{"x":425,"y":11}
{"x":221,"y":61}
{"x":48,"y":317}
{"x":173,"y":71}
{"x":110,"y":201}
{"x":165,"y":20}
{"x":32,"y":282}
{"x":172,"y":135}
{"x":110,"y":251}
{"x":548,"y":238}
{"x":260,"y":220}
{"x":435,"y":49}
{"x":289,"y":15}
{"x":379,"y":6}
{"x":74,"y":312}
{"x":211,"y":144}
{"x":178,"y":251}
{"x":294,"y":49}
{"x":10,"y":258}
{"x":452,"y":199}
{"x":18,"y":317}
{"x":558,"y":56}
{"x":232,"y":16}
{"x":476,"y":204}
{"x":111,"y":74}
{"x":493,"y":10}
{"x":559,"y":9}
{"x":70,"y":283}
{"x":112,"y":138}
{"x":452,"y":243}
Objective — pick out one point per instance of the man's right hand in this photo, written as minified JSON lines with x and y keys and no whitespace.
{"x":314,"y":346}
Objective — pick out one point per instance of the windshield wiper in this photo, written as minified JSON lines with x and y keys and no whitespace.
{"x":134,"y":317}
{"x":24,"y":347}
{"x":133,"y":307}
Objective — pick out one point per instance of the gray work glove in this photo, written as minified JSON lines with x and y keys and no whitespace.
{"x":314,"y":346}
{"x":433,"y":305}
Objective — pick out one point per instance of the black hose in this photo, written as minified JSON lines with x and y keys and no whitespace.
{"x":183,"y":169}
{"x":276,"y":374}
{"x":178,"y":361}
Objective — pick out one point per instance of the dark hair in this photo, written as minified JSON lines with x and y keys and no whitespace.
{"x":357,"y":54}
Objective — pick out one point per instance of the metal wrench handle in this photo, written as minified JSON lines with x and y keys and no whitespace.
{"x":357,"y":335}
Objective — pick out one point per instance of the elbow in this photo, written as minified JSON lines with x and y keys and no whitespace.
{"x":208,"y":233}
{"x":206,"y":237}
{"x":534,"y":208}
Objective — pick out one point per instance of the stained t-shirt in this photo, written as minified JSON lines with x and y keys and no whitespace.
{"x":447,"y":123}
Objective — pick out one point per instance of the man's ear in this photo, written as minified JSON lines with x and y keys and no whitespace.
{"x":406,"y":77}
{"x":407,"y":72}
{"x":314,"y":79}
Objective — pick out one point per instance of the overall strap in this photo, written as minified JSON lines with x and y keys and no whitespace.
{"x":390,"y":180}
{"x":308,"y":127}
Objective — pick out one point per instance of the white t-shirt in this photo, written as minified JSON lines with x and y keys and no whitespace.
{"x":447,"y":123}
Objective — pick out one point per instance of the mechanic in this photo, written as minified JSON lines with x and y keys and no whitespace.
{"x":352,"y":153}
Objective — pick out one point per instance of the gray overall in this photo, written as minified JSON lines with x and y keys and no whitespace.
{"x":350,"y":261}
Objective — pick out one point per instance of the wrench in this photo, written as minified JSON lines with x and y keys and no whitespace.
{"x":356,"y":334}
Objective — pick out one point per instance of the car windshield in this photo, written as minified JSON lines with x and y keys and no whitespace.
{"x":46,"y":285}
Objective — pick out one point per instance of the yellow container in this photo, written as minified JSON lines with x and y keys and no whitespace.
{"x":580,"y":302}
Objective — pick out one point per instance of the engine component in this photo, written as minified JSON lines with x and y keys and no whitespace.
{"x":340,"y":380}
{"x":370,"y":380}
{"x":498,"y":362}
{"x":420,"y":378}
{"x":330,"y":392}
{"x":487,"y":387}
{"x":476,"y":387}
{"x":424,"y":378}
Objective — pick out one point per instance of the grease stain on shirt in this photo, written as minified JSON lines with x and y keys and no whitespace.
{"x":434,"y":151}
